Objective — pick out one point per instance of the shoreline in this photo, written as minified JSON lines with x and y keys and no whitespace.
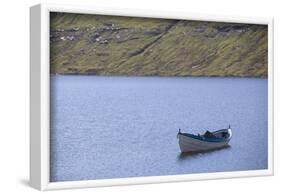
{"x":155,"y":76}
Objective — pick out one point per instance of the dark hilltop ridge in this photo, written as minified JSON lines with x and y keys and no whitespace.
{"x":110,"y":45}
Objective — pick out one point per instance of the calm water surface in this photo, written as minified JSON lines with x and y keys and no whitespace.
{"x":116,"y":127}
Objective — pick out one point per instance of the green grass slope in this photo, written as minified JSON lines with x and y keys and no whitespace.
{"x":110,"y":45}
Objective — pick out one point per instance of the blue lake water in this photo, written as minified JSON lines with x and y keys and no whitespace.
{"x":117,"y":127}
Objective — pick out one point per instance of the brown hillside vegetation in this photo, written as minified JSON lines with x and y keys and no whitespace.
{"x":110,"y":45}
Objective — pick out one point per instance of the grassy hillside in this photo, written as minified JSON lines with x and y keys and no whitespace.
{"x":107,"y":45}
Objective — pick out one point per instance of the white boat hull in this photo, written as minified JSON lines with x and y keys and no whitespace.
{"x":188,"y":144}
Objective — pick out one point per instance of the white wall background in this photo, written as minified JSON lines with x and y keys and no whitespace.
{"x":14,"y":94}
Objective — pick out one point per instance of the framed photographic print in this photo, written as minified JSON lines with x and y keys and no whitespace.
{"x":132,"y":97}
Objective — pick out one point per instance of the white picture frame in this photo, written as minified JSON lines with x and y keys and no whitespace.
{"x":40,"y":102}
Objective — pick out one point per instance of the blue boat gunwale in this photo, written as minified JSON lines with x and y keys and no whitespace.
{"x":206,"y":139}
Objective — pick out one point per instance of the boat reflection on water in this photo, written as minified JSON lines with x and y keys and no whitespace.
{"x":189,"y":155}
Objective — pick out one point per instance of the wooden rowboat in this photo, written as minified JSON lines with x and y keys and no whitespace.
{"x":204,"y":142}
